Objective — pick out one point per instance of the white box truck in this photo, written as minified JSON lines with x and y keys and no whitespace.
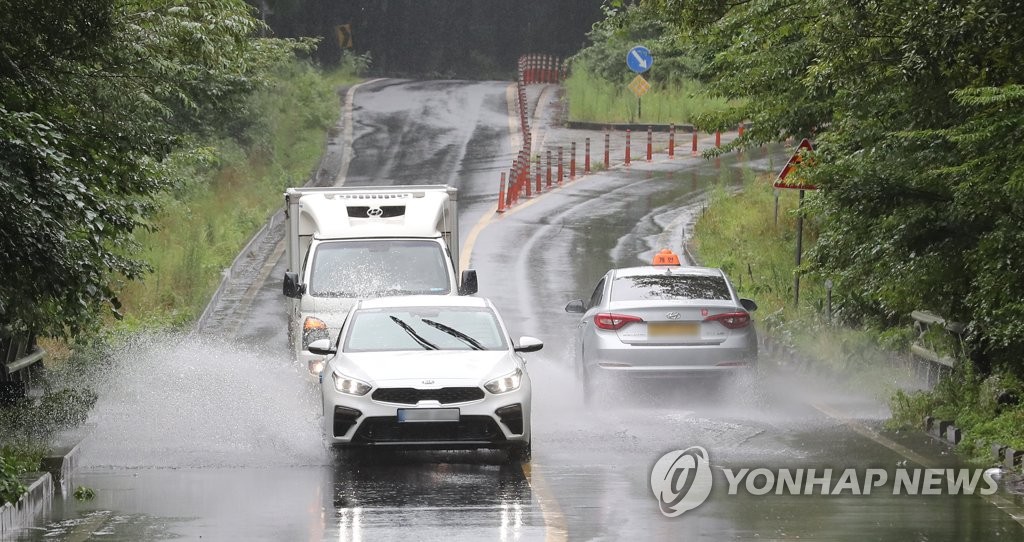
{"x":350,"y":243}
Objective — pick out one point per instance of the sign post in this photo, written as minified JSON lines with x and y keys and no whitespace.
{"x":639,"y":60}
{"x":784,"y":182}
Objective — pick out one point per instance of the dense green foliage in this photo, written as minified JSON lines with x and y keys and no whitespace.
{"x":11,"y":487}
{"x":642,"y":24}
{"x":594,"y":99}
{"x":221,"y":202}
{"x":917,"y":114}
{"x":101,"y":101}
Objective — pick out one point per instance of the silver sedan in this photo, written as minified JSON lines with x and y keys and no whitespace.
{"x":662,"y":321}
{"x":426,"y":372}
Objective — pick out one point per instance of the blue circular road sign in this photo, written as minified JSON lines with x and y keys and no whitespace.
{"x":639,"y":59}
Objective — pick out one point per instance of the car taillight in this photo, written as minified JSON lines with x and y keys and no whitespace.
{"x":611,"y":321}
{"x":731,"y":320}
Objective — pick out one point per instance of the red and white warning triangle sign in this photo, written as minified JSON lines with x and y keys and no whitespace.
{"x":784,"y":181}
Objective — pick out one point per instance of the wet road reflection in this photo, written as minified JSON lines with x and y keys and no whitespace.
{"x":465,"y":495}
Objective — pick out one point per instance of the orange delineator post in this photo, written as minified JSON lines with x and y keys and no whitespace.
{"x":560,"y":171}
{"x":650,"y":143}
{"x":718,"y":138}
{"x":537,"y":173}
{"x":672,"y":141}
{"x":627,"y":147}
{"x":501,"y":194}
{"x":513,"y":187}
{"x":607,"y":150}
{"x":694,"y":142}
{"x":586,"y":159}
{"x":526,"y":174}
{"x":549,"y":169}
{"x":572,"y":161}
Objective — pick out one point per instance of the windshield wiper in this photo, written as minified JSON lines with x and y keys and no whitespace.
{"x":427,"y":345}
{"x":473,"y":343}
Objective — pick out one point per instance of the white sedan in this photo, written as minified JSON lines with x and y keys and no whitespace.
{"x":426,"y":372}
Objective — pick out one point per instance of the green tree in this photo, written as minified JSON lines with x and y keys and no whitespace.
{"x":916,"y":111}
{"x":96,"y":98}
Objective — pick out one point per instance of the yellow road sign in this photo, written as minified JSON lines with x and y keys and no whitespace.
{"x":639,"y":86}
{"x":344,"y":33}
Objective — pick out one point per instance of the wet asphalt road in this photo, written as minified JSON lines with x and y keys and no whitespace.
{"x":217,"y":437}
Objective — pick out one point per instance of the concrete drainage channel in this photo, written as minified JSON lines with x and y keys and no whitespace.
{"x":54,"y":481}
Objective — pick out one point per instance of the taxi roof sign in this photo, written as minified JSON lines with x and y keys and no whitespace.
{"x":665,"y":257}
{"x":794,"y":161}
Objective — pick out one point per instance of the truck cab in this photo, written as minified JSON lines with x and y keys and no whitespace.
{"x":346,"y":244}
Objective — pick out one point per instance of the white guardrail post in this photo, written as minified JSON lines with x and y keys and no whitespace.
{"x":21,"y":358}
{"x":936,"y":363}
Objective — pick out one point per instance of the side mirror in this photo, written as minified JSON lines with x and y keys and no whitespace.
{"x":529,"y":344}
{"x":748,"y":304}
{"x":468,"y":285}
{"x":576,"y":306}
{"x":292,"y":286}
{"x":321,"y":347}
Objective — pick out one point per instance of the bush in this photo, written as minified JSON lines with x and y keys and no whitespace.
{"x":11,"y":488}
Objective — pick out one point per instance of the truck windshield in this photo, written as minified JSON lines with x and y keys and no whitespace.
{"x":381,"y":267}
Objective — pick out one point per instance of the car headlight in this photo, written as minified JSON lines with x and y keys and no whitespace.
{"x":349,"y":385}
{"x":505,"y":383}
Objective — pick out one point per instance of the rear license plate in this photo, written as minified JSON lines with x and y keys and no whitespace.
{"x":673,"y":329}
{"x":428,"y":415}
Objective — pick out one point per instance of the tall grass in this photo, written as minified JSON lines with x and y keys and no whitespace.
{"x":592,"y":98}
{"x":225,"y":199}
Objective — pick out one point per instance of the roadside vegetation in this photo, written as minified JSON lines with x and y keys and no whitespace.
{"x":741,"y":232}
{"x":737,"y":231}
{"x":130,"y":176}
{"x":229,"y":194}
{"x":594,"y":99}
{"x":916,"y":112}
{"x":596,"y":88}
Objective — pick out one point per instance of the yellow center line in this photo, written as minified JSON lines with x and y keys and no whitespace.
{"x":556,"y":529}
{"x":554,"y":521}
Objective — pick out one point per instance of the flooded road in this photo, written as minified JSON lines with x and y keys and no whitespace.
{"x":217,"y":437}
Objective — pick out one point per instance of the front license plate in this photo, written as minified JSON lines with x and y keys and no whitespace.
{"x":428,"y":415}
{"x":673,"y":329}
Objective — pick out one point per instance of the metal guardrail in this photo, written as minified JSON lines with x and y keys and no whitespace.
{"x":935,"y":365}
{"x":22,"y":358}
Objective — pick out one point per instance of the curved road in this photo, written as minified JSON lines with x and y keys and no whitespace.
{"x":217,"y":437}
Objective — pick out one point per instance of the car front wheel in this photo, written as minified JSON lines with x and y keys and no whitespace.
{"x":520,"y":454}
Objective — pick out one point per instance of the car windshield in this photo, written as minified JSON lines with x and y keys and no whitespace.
{"x":422,"y":328}
{"x":378,"y":268}
{"x":669,"y":286}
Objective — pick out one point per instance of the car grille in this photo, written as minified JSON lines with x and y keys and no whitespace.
{"x":411,"y":396}
{"x":389,"y":429}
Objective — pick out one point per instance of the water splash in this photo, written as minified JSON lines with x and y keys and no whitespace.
{"x":176,"y":401}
